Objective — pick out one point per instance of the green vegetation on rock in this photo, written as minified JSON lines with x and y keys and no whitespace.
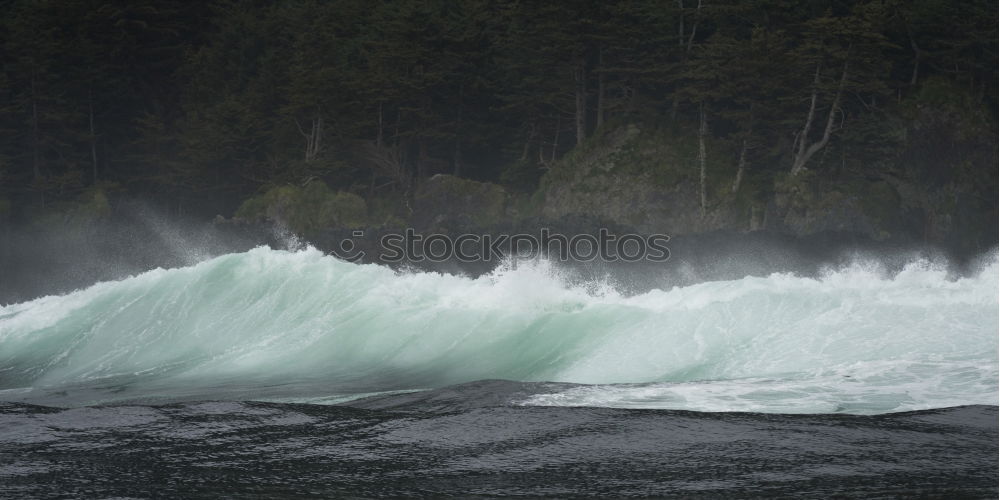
{"x":472,"y":203}
{"x":306,"y":210}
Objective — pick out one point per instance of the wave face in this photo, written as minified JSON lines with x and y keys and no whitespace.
{"x":278,"y":325}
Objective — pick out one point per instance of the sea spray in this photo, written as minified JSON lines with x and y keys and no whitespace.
{"x":270,"y":323}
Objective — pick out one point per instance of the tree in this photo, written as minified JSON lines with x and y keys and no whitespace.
{"x":846,"y":53}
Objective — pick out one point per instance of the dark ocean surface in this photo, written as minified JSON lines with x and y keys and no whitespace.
{"x":468,"y":440}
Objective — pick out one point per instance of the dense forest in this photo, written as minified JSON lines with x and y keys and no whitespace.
{"x":198,"y":106}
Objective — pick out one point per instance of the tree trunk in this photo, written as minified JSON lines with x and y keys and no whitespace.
{"x":600,"y":88}
{"x":580,"y":75}
{"x":35,"y":155}
{"x":395,"y":133}
{"x":423,"y":158}
{"x":457,"y":155}
{"x":801,"y":139}
{"x":680,"y":23}
{"x":318,"y":137}
{"x":532,"y":132}
{"x":916,"y":55}
{"x":805,"y":152}
{"x":379,"y":135}
{"x":741,"y":167}
{"x":93,"y":133}
{"x":694,"y":30}
{"x":313,"y":137}
{"x":687,"y":49}
{"x":310,"y":138}
{"x":702,"y":156}
{"x":555,"y":140}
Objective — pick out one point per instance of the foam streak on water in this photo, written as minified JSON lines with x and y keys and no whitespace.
{"x":268,"y":324}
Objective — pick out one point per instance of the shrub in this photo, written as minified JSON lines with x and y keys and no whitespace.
{"x":306,"y":209}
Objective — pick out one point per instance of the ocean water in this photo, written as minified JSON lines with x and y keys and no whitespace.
{"x":270,"y":351}
{"x":299,"y":325}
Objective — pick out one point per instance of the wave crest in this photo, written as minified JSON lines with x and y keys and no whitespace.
{"x":268,"y":317}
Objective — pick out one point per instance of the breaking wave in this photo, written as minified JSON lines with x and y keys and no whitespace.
{"x":272,"y":324}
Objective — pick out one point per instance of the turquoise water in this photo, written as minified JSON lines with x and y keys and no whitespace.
{"x":300,"y":326}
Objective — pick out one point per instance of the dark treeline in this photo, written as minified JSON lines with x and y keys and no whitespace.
{"x":199,"y":105}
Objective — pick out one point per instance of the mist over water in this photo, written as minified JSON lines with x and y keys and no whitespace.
{"x":283,"y":325}
{"x":59,"y":256}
